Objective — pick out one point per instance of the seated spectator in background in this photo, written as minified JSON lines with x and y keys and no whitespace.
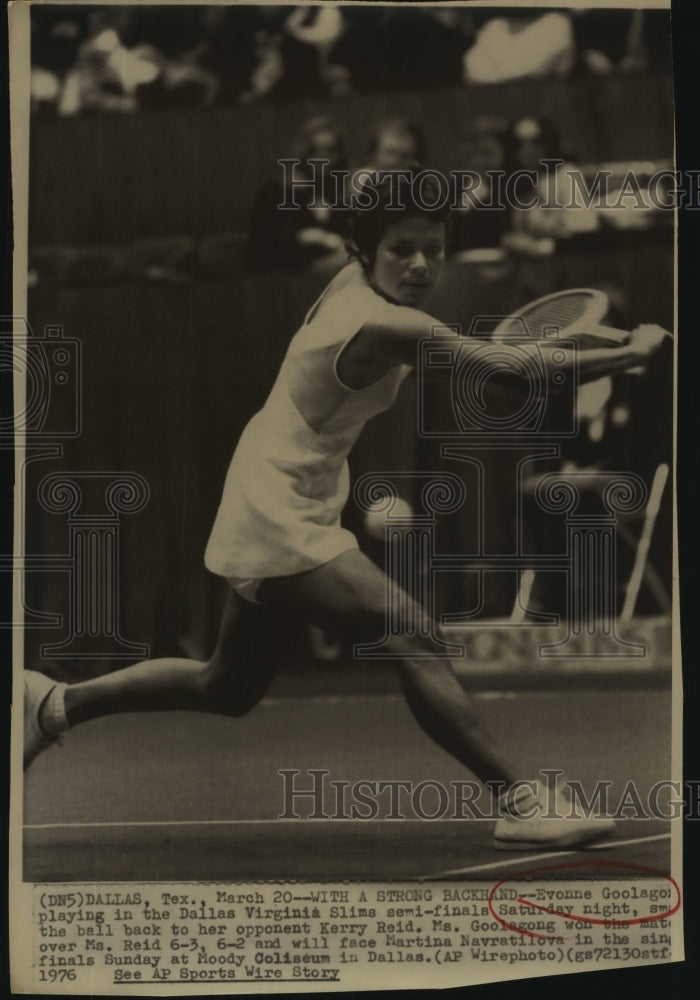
{"x":87,"y":58}
{"x":44,"y":90}
{"x":292,"y":55}
{"x":515,"y":49}
{"x":55,"y":41}
{"x":558,"y":214}
{"x":487,"y":150}
{"x":293,"y":238}
{"x":95,"y":81}
{"x":268,"y":67}
{"x":396,"y":142}
{"x":111,"y":75}
{"x":310,"y":33}
{"x":566,"y":214}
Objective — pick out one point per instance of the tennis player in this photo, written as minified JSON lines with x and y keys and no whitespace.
{"x":278,"y":538}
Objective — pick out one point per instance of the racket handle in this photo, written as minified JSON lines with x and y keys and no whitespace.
{"x":614,"y":334}
{"x":597,"y":336}
{"x":611,"y":333}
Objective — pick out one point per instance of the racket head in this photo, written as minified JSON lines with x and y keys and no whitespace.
{"x":560,"y":314}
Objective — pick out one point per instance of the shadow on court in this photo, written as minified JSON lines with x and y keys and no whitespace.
{"x":181,"y":796}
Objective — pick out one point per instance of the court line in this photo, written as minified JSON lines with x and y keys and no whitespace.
{"x":603,"y":845}
{"x":551,"y":854}
{"x":218,"y":822}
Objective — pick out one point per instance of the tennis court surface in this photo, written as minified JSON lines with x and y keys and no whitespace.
{"x":182,"y":796}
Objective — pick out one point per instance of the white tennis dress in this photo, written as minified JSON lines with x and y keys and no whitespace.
{"x":288,"y":481}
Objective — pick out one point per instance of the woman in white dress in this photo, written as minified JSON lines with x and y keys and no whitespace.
{"x":277,"y":537}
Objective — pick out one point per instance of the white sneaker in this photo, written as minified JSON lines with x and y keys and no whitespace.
{"x":37,"y":688}
{"x":529,"y":828}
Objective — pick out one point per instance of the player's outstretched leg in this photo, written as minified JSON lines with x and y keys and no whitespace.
{"x":231,"y":682}
{"x":348,"y":596}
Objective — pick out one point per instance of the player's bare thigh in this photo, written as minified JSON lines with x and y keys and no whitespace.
{"x":347,"y":596}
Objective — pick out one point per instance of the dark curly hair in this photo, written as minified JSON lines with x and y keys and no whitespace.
{"x":386,"y":197}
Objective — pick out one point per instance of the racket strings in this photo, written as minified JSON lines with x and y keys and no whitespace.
{"x":557,"y":313}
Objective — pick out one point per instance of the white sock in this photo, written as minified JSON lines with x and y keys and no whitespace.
{"x":52,"y":715}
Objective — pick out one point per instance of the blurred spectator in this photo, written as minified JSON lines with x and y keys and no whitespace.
{"x":396,"y":142}
{"x":108,"y":75}
{"x":269,"y":65}
{"x":310,"y":35}
{"x":292,"y":55}
{"x":55,"y":40}
{"x":96,"y":80}
{"x":290,"y":238}
{"x":557,"y":213}
{"x":44,"y":89}
{"x":88,"y":58}
{"x":513,"y":49}
{"x":487,"y":150}
{"x":567,"y":212}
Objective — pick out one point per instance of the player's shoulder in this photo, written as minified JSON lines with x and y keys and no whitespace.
{"x":349,"y":294}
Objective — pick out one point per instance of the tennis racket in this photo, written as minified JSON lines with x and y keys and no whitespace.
{"x":575,"y":314}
